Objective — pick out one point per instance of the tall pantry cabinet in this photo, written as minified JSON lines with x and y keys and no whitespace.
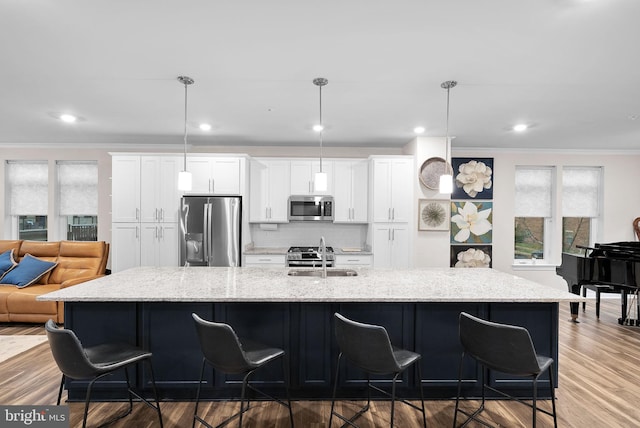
{"x":391,"y":205}
{"x":145,"y":204}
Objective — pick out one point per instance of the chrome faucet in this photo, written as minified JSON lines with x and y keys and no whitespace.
{"x":323,"y":256}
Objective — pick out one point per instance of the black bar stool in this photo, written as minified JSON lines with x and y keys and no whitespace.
{"x":77,"y":362}
{"x":368,"y":347}
{"x":507,"y":349}
{"x":226,"y":353}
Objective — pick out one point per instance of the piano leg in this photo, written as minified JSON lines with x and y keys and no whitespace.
{"x":575,"y":289}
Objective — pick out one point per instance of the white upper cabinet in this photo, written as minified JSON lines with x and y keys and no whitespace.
{"x":269,"y":191}
{"x":392,"y":189}
{"x":303,"y":176}
{"x":350,"y":191}
{"x":125,"y":188}
{"x":390,"y":245}
{"x":215,"y":175}
{"x":159,"y":195}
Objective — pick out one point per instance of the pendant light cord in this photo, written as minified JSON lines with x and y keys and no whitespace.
{"x":446,"y":153}
{"x":321,"y":128}
{"x":185,"y":126}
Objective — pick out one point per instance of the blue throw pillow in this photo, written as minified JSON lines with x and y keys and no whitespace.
{"x":28,"y":271}
{"x":6,"y":262}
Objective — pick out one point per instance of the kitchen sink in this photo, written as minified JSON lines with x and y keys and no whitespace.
{"x":318,"y":272}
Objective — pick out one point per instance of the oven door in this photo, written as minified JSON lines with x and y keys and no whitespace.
{"x":309,"y":263}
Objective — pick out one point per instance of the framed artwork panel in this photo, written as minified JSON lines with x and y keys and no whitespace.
{"x":472,"y":178}
{"x":434,"y":214}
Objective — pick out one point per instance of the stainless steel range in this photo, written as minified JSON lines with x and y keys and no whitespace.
{"x":308,"y":257}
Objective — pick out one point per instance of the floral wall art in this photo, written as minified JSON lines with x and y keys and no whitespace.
{"x":473,"y":178}
{"x":472,"y":213}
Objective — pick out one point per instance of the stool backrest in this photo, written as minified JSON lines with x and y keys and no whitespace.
{"x":68,"y":352}
{"x":502,"y":347}
{"x":365,"y":345}
{"x":221,"y":346}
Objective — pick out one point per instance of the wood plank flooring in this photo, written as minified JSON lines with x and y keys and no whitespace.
{"x":599,"y":386}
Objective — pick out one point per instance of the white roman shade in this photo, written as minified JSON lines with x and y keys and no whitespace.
{"x":28,"y":187}
{"x":580,"y":191}
{"x":78,"y":187}
{"x":533,"y":191}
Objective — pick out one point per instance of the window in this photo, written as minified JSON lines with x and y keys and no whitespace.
{"x":78,"y":199}
{"x":28,"y":197}
{"x":533,"y":212}
{"x":580,"y":207}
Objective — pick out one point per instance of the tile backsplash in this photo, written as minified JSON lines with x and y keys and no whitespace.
{"x":309,"y":233}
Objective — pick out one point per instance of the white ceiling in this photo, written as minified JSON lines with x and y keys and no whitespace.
{"x":569,"y":68}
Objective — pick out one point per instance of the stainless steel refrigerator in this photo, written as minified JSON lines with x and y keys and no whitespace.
{"x":210,"y":230}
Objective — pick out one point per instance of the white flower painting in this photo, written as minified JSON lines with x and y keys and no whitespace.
{"x":473,"y":178}
{"x":471,"y":222}
{"x":471,"y":257}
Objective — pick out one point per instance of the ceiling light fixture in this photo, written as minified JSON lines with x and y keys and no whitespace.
{"x":520,"y":127}
{"x":446,"y":180}
{"x":205,"y":127}
{"x":419,"y":130}
{"x":320,"y":180}
{"x":69,"y":118}
{"x":184,"y":177}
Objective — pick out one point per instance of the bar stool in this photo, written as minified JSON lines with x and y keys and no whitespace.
{"x":368,"y":347}
{"x":78,"y":362}
{"x":224,"y":351}
{"x":503,"y":348}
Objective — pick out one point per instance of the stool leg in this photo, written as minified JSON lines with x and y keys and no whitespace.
{"x":195,"y":411}
{"x":598,"y":303}
{"x":155,"y":391}
{"x":60,"y":390}
{"x":424,"y":414}
{"x":285,"y":372}
{"x":535,"y":396}
{"x":393,"y":398}
{"x":553,"y":395}
{"x":335,"y":388}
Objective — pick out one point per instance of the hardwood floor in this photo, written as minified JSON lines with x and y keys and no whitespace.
{"x":598,"y":387}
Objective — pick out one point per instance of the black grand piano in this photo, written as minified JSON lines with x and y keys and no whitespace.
{"x":604,"y":268}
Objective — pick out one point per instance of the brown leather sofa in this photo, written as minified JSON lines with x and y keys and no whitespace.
{"x":77,"y":261}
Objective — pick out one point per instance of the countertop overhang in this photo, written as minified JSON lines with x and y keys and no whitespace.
{"x":228,"y":284}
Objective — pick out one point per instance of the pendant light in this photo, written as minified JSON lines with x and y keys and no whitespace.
{"x":446,"y":180}
{"x":320,"y":180}
{"x":184,"y":177}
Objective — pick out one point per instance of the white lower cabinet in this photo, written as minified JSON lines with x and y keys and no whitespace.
{"x":390,"y":245}
{"x":159,"y":244}
{"x":348,"y":260}
{"x":272,"y":260}
{"x":143,"y":244}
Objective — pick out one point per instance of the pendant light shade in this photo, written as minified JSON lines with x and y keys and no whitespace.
{"x":185,"y":180}
{"x":446,"y":180}
{"x":320,"y":181}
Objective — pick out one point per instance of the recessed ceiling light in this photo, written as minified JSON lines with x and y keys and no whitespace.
{"x":68,"y":118}
{"x":318,"y":128}
{"x":520,"y":127}
{"x":205,"y":127}
{"x":419,"y":129}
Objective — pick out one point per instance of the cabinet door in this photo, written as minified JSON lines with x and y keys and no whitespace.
{"x":200,"y":169}
{"x":381,"y":190}
{"x":258,"y":192}
{"x":125,"y":246}
{"x":125,"y":188}
{"x":301,"y":179}
{"x":279,"y":191}
{"x":401,"y":190}
{"x":149,"y":189}
{"x":167,"y":189}
{"x":399,"y":249}
{"x":225,"y":176}
{"x":167,"y":245}
{"x":148,"y":244}
{"x":342,"y":195}
{"x":359,"y":191}
{"x":381,"y":246}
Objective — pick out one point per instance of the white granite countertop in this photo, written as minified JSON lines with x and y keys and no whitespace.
{"x":245,"y":284}
{"x":265,"y":250}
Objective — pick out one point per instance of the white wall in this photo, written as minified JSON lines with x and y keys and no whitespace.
{"x":430,"y":249}
{"x":621,"y":203}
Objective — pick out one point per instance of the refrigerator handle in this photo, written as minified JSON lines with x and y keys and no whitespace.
{"x":205,"y":234}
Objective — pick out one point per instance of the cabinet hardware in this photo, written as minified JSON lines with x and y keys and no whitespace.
{"x":137,"y":233}
{"x":393,"y":213}
{"x":137,"y":213}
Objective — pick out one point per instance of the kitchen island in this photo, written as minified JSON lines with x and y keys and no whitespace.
{"x":152,"y":307}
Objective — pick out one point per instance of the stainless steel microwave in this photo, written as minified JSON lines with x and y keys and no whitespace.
{"x":310,"y":208}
